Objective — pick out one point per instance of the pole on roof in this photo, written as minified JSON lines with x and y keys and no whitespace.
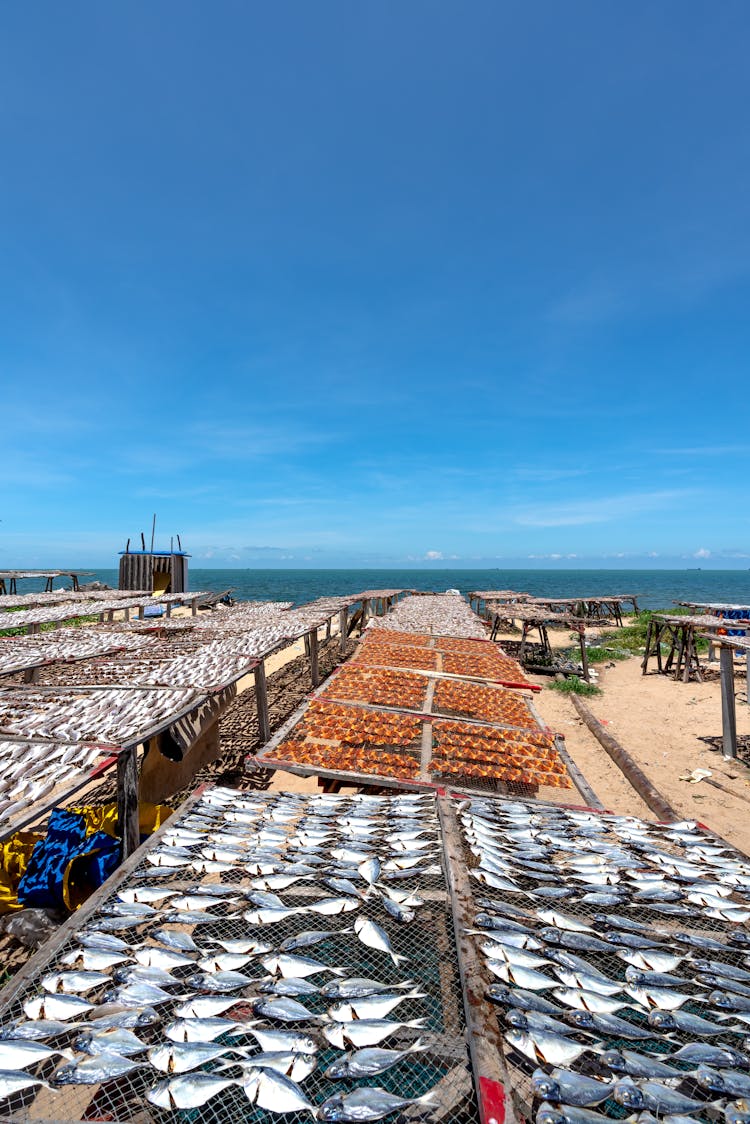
{"x":143,"y":542}
{"x":153,"y":532}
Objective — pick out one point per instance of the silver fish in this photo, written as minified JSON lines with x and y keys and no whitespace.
{"x":220,"y":981}
{"x":288,"y":1041}
{"x":94,"y":1070}
{"x":308,"y":938}
{"x":274,"y":1092}
{"x":39,"y":1028}
{"x":74,"y":983}
{"x":654,"y":1097}
{"x":523,"y":1000}
{"x":175,"y":938}
{"x":18,"y":1053}
{"x":190,"y":1090}
{"x":365,"y":1032}
{"x":284,"y":1010}
{"x":181,"y":1057}
{"x":372,"y":935}
{"x":300,"y":967}
{"x":357,"y":987}
{"x":569,"y":1087}
{"x":729,"y":1083}
{"x":536,"y":1020}
{"x":331,"y":906}
{"x":606,"y":1024}
{"x":114,"y":1040}
{"x":369,"y":1103}
{"x":540,"y":1046}
{"x":15,"y":1081}
{"x":370,"y":1007}
{"x":370,"y":1061}
{"x":682,"y":1020}
{"x":56,"y":1007}
{"x":719,"y":1057}
{"x":199,"y":1030}
{"x":638,"y":1065}
{"x":295,"y":1066}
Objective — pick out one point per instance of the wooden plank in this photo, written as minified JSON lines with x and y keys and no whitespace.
{"x":637,"y":778}
{"x":261,"y":702}
{"x":127,"y":801}
{"x":483,"y":1030}
{"x":728,"y":715}
{"x":313,"y":642}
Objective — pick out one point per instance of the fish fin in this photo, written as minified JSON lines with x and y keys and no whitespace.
{"x":426,"y":1098}
{"x":417,"y":1046}
{"x":67,"y":1054}
{"x":339,"y":971}
{"x":398,"y":958}
{"x":416,"y":1024}
{"x":415,"y":995}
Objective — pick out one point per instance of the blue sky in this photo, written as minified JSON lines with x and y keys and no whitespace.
{"x":367,"y":284}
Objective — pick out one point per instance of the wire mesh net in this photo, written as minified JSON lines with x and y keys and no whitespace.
{"x":201,"y":903}
{"x":610,"y":943}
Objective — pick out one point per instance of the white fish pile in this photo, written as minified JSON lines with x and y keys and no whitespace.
{"x":29,"y":772}
{"x":606,"y":932}
{"x":66,"y":596}
{"x":116,"y":717}
{"x":90,"y":607}
{"x":196,"y":990}
{"x":18,"y":653}
{"x":438,"y":614}
{"x":205,"y":667}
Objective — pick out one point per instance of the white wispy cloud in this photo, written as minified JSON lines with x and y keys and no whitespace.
{"x":601,"y":510}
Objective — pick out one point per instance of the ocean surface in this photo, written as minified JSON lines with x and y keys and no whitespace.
{"x":656,"y":589}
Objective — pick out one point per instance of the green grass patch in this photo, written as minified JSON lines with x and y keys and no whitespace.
{"x":77,"y":622}
{"x":574,"y":686}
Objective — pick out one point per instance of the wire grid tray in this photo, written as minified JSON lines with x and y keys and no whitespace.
{"x":475,"y":659}
{"x":385,"y":687}
{"x":118,"y":717}
{"x":346,"y":740}
{"x":36,"y":777}
{"x":222,"y":848}
{"x":572,"y":910}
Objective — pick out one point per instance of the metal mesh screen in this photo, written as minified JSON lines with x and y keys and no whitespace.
{"x":224,"y":848}
{"x":631,"y":936}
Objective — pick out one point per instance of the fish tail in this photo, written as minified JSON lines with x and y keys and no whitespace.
{"x":418,"y":1046}
{"x":339,"y":971}
{"x":416,"y":1024}
{"x":426,"y":1098}
{"x":398,"y":958}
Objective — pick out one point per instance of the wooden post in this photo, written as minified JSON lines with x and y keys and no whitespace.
{"x":169,"y":609}
{"x":647,"y":653}
{"x":747,"y":677}
{"x":127,"y":614}
{"x":313,"y":641}
{"x":728,"y":715}
{"x":261,"y":701}
{"x":584,"y":654}
{"x":328,"y":628}
{"x":194,"y":607}
{"x":524,"y":634}
{"x":343,"y":624}
{"x":365,"y":611}
{"x":128,"y":826}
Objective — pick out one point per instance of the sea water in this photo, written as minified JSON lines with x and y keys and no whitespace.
{"x":655,"y":589}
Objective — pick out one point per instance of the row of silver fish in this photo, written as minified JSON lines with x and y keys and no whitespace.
{"x":607,"y":933}
{"x":30,"y":771}
{"x":109,"y":715}
{"x":188,"y":988}
{"x":18,"y":653}
{"x":441,"y":614}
